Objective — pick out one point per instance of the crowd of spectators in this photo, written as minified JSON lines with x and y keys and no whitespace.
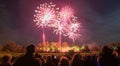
{"x":107,"y":57}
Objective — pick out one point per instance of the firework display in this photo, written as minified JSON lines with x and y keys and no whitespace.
{"x":44,"y":16}
{"x":62,"y":20}
{"x":73,"y":31}
{"x":67,"y":24}
{"x":66,"y":13}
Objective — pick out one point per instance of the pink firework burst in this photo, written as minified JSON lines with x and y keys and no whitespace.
{"x":73,"y":29}
{"x":45,"y":14}
{"x":67,"y":24}
{"x":66,"y":13}
{"x":63,"y":18}
{"x":59,"y":27}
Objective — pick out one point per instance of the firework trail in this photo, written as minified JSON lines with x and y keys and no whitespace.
{"x":45,"y":15}
{"x":66,"y":24}
{"x":62,"y":20}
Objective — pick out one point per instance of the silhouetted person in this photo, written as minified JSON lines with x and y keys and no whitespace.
{"x":118,"y":51}
{"x":49,"y":62}
{"x":64,"y":61}
{"x":27,"y":59}
{"x":107,"y":58}
{"x":55,"y":59}
{"x":75,"y":61}
{"x":6,"y":60}
{"x":38,"y":58}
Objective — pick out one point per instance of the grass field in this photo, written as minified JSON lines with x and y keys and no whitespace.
{"x":13,"y":54}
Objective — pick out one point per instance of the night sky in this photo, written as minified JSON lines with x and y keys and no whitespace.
{"x":100,"y":20}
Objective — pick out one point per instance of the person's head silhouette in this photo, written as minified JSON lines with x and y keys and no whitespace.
{"x":118,"y":50}
{"x":107,"y":50}
{"x":28,"y":58}
{"x":30,"y":49}
{"x":7,"y":58}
